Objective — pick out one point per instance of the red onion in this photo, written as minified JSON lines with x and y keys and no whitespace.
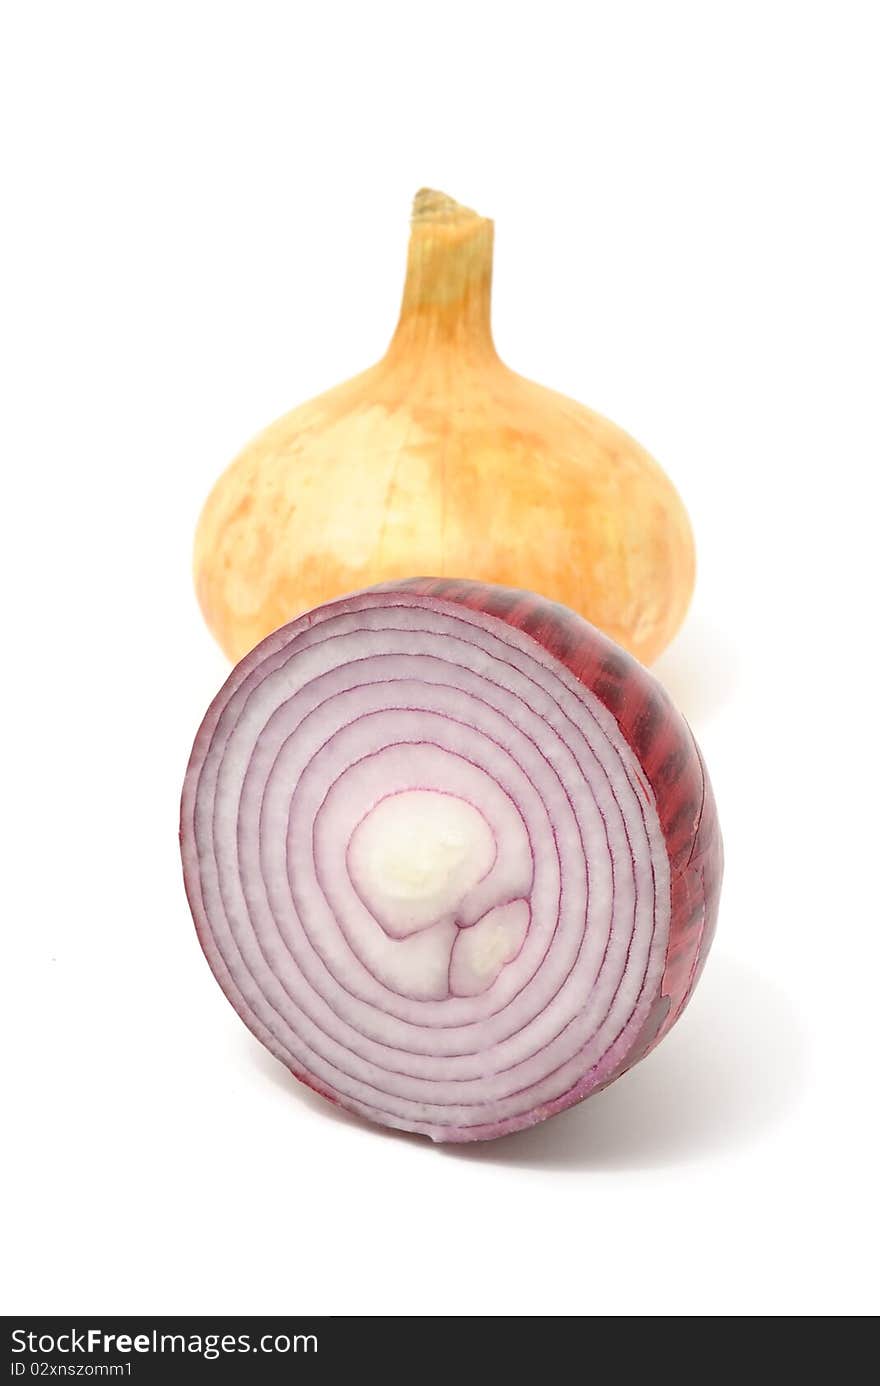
{"x":451,"y":854}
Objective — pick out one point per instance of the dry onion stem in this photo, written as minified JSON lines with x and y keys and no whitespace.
{"x":442,"y":460}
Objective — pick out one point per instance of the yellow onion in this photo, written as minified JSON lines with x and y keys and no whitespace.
{"x":441,"y":460}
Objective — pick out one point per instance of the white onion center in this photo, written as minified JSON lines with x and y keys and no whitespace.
{"x":416,"y":855}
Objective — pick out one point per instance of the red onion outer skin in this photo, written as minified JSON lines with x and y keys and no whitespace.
{"x":669,"y":761}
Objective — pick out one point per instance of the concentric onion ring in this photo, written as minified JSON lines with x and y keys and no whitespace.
{"x":451,"y":855}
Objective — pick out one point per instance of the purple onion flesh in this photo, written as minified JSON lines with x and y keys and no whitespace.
{"x":451,"y":854}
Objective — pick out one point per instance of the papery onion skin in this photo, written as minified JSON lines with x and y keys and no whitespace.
{"x":442,"y":459}
{"x":674,"y":787}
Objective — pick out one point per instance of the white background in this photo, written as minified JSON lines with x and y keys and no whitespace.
{"x":205,"y":223}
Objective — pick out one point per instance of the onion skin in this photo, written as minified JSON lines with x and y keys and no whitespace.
{"x":442,"y":459}
{"x":667,"y":764}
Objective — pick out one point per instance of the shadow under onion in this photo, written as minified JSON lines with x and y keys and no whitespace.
{"x":707,"y":1089}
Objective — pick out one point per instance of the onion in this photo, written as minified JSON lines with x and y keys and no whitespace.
{"x":442,"y":459}
{"x":451,"y":854}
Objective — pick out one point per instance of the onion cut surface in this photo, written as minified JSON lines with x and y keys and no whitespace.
{"x":451,"y":854}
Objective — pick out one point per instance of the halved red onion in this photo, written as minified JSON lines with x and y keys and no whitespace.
{"x":451,"y":854}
